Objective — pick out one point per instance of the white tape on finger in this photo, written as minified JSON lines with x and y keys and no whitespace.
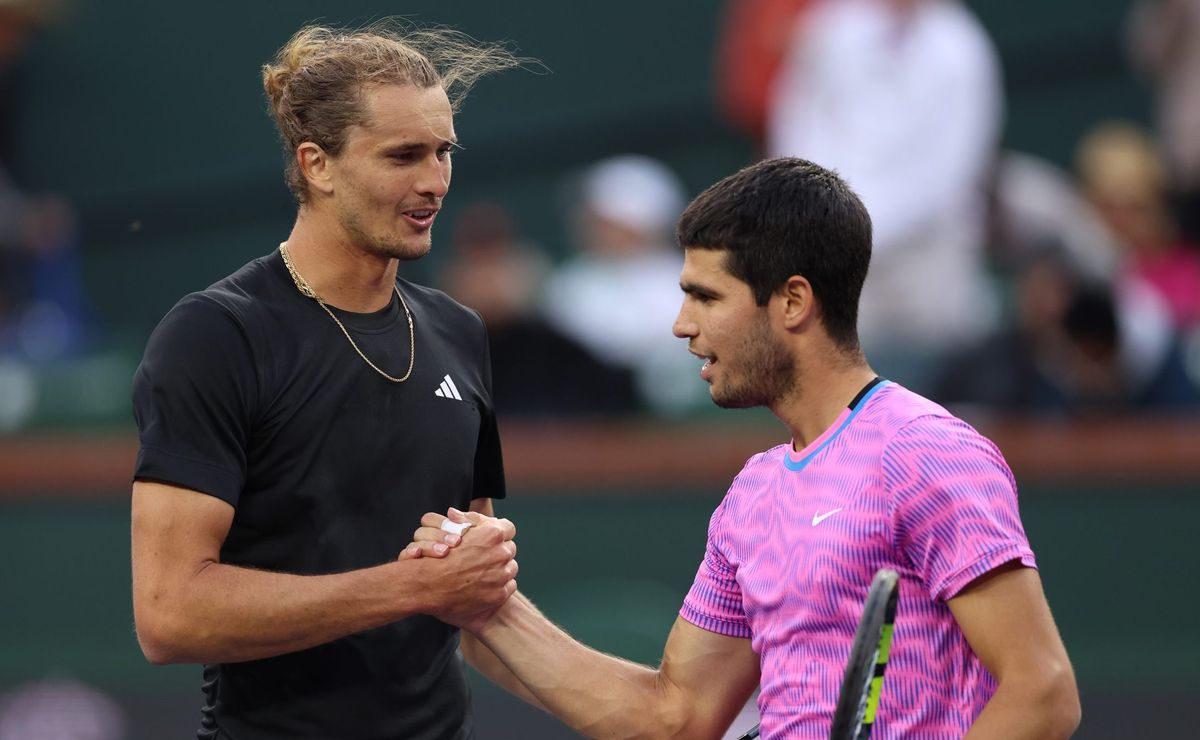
{"x":455,"y":527}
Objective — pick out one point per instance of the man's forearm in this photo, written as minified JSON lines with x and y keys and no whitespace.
{"x":226,"y":613}
{"x":1040,"y":708}
{"x":598,"y":695}
{"x":486,"y":662}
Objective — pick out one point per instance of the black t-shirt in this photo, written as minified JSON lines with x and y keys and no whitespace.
{"x":250,"y":392}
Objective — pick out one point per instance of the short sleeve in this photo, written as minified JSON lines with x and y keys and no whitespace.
{"x":714,"y":602}
{"x":489,"y":461}
{"x":192,"y":400}
{"x":953,"y":504}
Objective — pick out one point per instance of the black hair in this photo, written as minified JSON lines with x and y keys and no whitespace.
{"x":783,"y":217}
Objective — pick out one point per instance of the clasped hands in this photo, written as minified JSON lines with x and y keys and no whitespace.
{"x":469,"y":586}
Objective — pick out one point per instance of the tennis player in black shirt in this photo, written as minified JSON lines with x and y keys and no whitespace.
{"x":297,"y":418}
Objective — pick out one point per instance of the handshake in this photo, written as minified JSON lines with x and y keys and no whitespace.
{"x":467,"y":564}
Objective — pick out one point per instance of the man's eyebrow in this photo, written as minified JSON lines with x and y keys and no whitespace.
{"x":414,"y":146}
{"x":409,"y":147}
{"x":696,"y":289}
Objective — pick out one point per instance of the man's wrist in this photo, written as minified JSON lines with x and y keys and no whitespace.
{"x":411,"y":588}
{"x":504,"y":619}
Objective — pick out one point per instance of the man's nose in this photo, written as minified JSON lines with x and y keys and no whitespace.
{"x":435,"y":179}
{"x":684,"y":327}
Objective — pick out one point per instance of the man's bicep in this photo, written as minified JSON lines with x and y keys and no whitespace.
{"x":710,"y":676}
{"x":1006,"y":620}
{"x":175,"y":532}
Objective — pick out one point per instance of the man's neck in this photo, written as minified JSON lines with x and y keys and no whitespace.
{"x":825,"y":389}
{"x":343,"y":274}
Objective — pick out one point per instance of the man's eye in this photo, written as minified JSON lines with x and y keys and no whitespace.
{"x":444,"y":153}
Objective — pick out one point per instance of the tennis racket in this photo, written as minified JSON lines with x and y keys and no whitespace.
{"x":863,"y":680}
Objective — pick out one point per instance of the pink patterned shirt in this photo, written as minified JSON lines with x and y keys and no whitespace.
{"x":895,"y":482}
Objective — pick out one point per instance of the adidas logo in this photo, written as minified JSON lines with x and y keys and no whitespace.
{"x":447,"y":389}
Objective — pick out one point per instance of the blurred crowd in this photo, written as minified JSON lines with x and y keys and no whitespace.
{"x":998,"y":280}
{"x":592,"y":335}
{"x":42,"y":310}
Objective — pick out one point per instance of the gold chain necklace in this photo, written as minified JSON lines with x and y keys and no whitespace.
{"x":303,"y":286}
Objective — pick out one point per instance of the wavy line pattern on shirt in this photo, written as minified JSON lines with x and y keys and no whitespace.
{"x":920,"y":492}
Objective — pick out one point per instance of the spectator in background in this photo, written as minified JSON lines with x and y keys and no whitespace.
{"x":618,"y":295}
{"x":1077,"y":347}
{"x":1125,"y":179}
{"x":41,"y":296}
{"x":1035,"y":206}
{"x":903,"y":98}
{"x":1091,"y":332}
{"x":41,"y":284}
{"x":536,"y":371}
{"x":1165,"y":40}
{"x":754,"y":38}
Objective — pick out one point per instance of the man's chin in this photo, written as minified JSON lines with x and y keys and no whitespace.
{"x":732,"y":401}
{"x":404,"y":252}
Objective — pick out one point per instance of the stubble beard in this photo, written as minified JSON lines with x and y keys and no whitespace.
{"x":390,"y":246}
{"x":767,"y":372}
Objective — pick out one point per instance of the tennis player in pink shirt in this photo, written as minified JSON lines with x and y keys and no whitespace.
{"x":874,"y":476}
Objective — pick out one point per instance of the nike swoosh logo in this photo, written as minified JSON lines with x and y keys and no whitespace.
{"x":818,"y":518}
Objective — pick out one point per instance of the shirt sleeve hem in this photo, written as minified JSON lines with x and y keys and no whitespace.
{"x":951,"y":585}
{"x":158,"y":465}
{"x":712,"y":624}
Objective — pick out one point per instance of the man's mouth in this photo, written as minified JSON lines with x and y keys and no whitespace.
{"x":421,"y":218}
{"x":706,"y":368}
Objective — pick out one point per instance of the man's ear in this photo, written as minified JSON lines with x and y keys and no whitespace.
{"x":316,"y":166}
{"x":798,"y":301}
